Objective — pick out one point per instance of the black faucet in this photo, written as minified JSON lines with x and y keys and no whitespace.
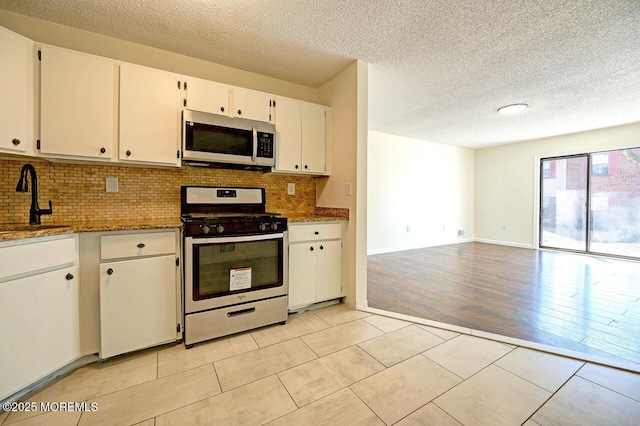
{"x":23,"y":186}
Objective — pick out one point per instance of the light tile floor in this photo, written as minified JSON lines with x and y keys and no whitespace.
{"x":338,"y":366}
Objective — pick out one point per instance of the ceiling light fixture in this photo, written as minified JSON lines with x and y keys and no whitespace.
{"x":512,"y":109}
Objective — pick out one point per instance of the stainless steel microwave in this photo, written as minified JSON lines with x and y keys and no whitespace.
{"x":209,"y":138}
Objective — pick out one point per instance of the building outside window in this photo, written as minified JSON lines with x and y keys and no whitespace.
{"x":600,"y":163}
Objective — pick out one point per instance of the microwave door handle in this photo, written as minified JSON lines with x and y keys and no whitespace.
{"x":255,"y":145}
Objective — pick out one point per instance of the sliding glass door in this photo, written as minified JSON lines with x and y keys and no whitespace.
{"x":591,"y":202}
{"x":563,"y":211}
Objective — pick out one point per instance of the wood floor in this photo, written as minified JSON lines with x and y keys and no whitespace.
{"x":583,"y":303}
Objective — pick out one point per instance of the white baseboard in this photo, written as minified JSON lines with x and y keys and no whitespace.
{"x":394,"y":249}
{"x":504,"y":243}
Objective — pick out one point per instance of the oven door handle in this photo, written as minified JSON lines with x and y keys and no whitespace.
{"x":191,"y":241}
{"x":241,"y":312}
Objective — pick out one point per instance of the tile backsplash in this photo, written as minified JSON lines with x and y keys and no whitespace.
{"x":78,"y":191}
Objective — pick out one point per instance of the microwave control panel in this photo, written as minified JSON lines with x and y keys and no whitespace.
{"x":265,"y":145}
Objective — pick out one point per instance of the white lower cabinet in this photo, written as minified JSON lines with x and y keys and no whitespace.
{"x":40,"y":313}
{"x":328,"y":270}
{"x":138,"y":296}
{"x":315,"y":263}
{"x":302,"y":275}
{"x":137,"y":304}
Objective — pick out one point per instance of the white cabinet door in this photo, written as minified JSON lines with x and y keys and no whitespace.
{"x":313,"y":138}
{"x":302,"y":275}
{"x":315,"y":263}
{"x":149,"y":116}
{"x":251,"y":105}
{"x":41,"y":328}
{"x":301,"y":143}
{"x":288,"y":135}
{"x":329,"y":270}
{"x":17,"y":87}
{"x":137,"y":304}
{"x":76,"y":104}
{"x":207,"y":96}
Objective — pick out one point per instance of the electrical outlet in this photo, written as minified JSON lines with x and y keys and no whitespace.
{"x":112,"y":184}
{"x":291,"y":189}
{"x":504,"y":226}
{"x":460,"y":232}
{"x":408,"y":228}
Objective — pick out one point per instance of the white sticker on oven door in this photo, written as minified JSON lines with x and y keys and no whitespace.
{"x":239,"y":279}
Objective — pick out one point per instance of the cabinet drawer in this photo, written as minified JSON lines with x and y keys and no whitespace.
{"x":315,"y":232}
{"x":36,"y":256}
{"x":135,"y":245}
{"x":234,"y":319}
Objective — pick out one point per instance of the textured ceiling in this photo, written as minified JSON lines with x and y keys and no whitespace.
{"x":438,"y":69}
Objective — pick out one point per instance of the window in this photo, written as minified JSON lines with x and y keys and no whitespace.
{"x":546,"y":170}
{"x":600,"y":163}
{"x":549,"y":169}
{"x":592,"y":209}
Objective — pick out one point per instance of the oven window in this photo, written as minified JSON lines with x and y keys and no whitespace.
{"x":219,"y":140}
{"x":231,"y":268}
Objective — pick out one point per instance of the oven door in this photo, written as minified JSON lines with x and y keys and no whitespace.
{"x":224,"y":271}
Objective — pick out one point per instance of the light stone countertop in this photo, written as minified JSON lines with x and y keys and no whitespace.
{"x":312,"y":218}
{"x":12,"y":232}
{"x":22,"y":231}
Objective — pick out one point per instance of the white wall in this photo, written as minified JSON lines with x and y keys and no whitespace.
{"x":345,"y":95}
{"x":425,"y":186}
{"x":507,"y":180}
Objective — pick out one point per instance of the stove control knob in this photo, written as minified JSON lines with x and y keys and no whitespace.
{"x":220,"y":229}
{"x":274,"y":226}
{"x":263,"y":227}
{"x":205,"y":229}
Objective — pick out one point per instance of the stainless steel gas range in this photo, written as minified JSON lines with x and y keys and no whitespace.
{"x":235,"y":262}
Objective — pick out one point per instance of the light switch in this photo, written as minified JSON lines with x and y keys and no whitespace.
{"x":112,"y":184}
{"x":291,"y":189}
{"x":347,"y":189}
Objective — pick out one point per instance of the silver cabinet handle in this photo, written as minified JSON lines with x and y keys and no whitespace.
{"x":242,"y":312}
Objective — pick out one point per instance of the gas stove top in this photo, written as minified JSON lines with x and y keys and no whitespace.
{"x":217,"y":211}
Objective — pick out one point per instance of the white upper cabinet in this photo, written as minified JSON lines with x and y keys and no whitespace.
{"x":301,"y":137}
{"x":314,"y":144}
{"x":17,"y":101}
{"x":76,"y":104}
{"x":149,"y":116}
{"x":206,"y":96}
{"x":252,"y":105}
{"x":288,"y":135}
